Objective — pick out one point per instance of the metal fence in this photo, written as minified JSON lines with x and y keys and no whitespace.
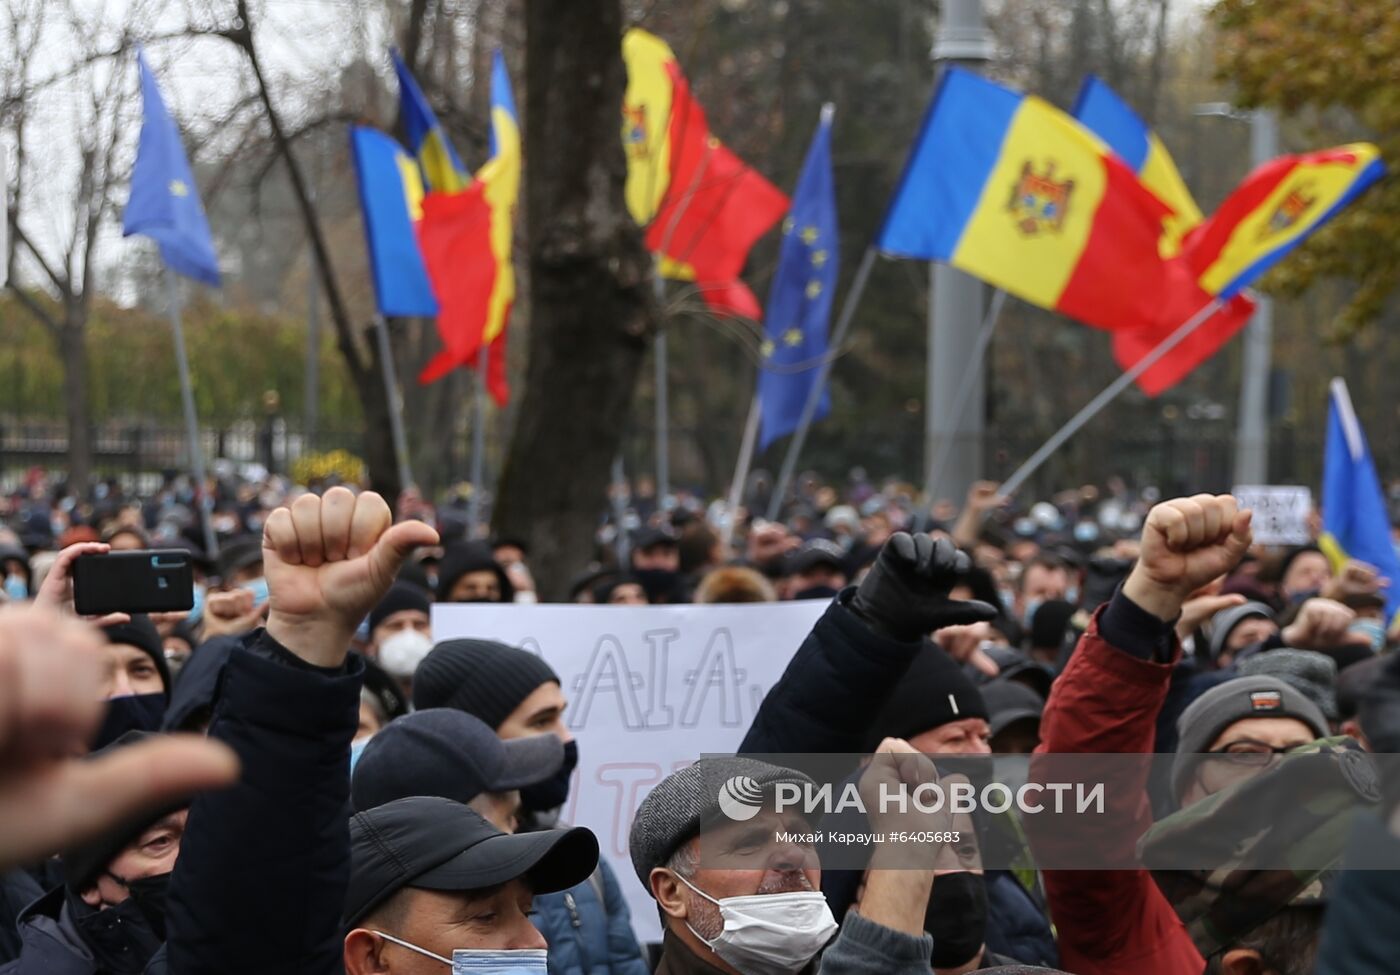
{"x":137,"y":452}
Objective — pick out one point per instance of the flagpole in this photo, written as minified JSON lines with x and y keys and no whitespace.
{"x":970,"y":375}
{"x":741,"y":468}
{"x":814,"y":395}
{"x":395,"y":402}
{"x":663,"y":417}
{"x":478,"y":441}
{"x":1092,"y":408}
{"x":619,"y":477}
{"x":196,"y":450}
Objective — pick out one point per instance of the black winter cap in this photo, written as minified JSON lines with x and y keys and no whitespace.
{"x":141,"y":634}
{"x":401,"y":596}
{"x":461,"y":558}
{"x":933,"y":692}
{"x":481,"y":677}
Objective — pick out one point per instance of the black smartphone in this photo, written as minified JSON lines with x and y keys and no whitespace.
{"x":145,"y":581}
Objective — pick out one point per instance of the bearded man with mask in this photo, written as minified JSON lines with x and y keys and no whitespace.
{"x":518,"y":695}
{"x":656,"y":564}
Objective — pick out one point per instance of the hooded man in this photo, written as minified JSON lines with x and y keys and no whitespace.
{"x":518,"y":695}
{"x":469,"y":574}
{"x":108,"y":916}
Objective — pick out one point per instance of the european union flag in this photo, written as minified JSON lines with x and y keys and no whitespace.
{"x":1355,"y":522}
{"x":799,"y":304}
{"x":164,"y":204}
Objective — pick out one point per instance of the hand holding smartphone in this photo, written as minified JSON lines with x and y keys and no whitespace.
{"x":144,"y":581}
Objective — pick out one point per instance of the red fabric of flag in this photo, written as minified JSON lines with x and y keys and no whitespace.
{"x":455,"y":238}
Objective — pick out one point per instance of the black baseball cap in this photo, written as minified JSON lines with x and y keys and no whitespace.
{"x":437,"y":844}
{"x":448,"y":753}
{"x":817,"y":552}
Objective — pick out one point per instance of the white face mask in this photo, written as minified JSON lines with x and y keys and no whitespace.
{"x":770,"y":934}
{"x":469,"y":961}
{"x":401,"y":654}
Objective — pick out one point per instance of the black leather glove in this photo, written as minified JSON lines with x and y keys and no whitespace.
{"x":905,"y":594}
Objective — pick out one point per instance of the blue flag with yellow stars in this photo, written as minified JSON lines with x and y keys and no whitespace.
{"x":799,"y":304}
{"x":164,"y":204}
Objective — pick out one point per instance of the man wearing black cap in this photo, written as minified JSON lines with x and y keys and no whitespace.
{"x":433,"y":884}
{"x":816,"y":571}
{"x":519,"y":695}
{"x":449,"y":753}
{"x":656,"y":563}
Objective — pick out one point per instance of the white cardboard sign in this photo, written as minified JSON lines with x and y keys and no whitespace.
{"x":650,"y":690}
{"x":1280,"y":512}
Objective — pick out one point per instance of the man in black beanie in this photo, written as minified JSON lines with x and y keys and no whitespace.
{"x":138,"y":685}
{"x":468,"y":573}
{"x":936,"y":708}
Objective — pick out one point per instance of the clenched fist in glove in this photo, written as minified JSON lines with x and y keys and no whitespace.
{"x":905,"y":594}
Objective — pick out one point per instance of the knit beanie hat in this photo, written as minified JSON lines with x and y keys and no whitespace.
{"x":401,"y":596}
{"x":1225,"y":621}
{"x":141,"y":634}
{"x":1259,"y":696}
{"x":481,"y":677}
{"x":933,"y":692}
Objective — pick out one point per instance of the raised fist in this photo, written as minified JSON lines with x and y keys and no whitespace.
{"x":1319,"y":625}
{"x":905,"y":594}
{"x":1186,"y":542}
{"x":328,"y":561}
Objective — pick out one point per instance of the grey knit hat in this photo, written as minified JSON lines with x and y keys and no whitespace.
{"x":675,"y":810}
{"x":1313,"y":674}
{"x":481,"y":677}
{"x":1227,"y":619}
{"x":1221,"y":706}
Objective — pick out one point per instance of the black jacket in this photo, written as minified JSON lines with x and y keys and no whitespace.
{"x":826,"y":701}
{"x":832,"y":689}
{"x":264,"y":866}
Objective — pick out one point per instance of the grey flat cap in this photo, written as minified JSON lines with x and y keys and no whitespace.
{"x":1313,"y":674}
{"x":681,"y":802}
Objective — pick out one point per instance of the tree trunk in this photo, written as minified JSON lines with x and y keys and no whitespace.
{"x":72,"y":352}
{"x":592,"y":315}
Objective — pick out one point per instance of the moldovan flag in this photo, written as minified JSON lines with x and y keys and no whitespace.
{"x":391,"y":201}
{"x":466,"y":238}
{"x":1270,"y":213}
{"x":703,"y":207}
{"x":1103,"y":113}
{"x":1013,"y":191}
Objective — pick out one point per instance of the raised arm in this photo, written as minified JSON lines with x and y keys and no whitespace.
{"x":263,"y":866}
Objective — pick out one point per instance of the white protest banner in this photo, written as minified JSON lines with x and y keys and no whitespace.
{"x":1280,"y":512}
{"x":650,"y":689}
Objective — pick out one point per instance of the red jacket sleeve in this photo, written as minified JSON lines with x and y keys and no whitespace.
{"x":1110,"y":922}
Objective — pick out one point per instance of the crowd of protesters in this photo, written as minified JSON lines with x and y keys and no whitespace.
{"x":294,"y":776}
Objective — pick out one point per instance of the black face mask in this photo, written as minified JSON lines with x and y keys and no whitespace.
{"x":658,"y":584}
{"x":120,"y":938}
{"x":817,"y":592}
{"x":148,"y":894}
{"x":957,"y":918}
{"x":137,"y":712}
{"x":553,"y":791}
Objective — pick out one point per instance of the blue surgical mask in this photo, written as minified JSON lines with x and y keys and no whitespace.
{"x":357,"y":748}
{"x":468,"y":961}
{"x":197,"y":607}
{"x":1373,"y":630}
{"x":1072,"y":595}
{"x":16,"y":588}
{"x":258,"y":587}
